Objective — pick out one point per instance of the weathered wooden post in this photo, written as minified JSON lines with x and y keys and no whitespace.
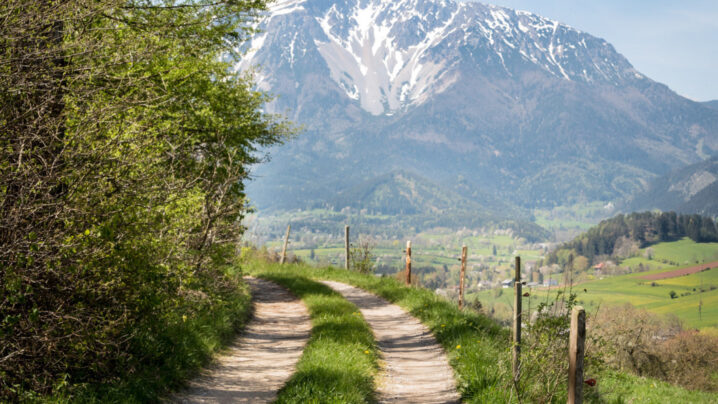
{"x":284,"y":249}
{"x":461,"y":277}
{"x":517,"y":320}
{"x":408,"y":262}
{"x":346,"y":247}
{"x":576,"y":351}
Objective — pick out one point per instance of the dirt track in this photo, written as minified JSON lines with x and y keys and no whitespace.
{"x":263,"y":358}
{"x":680,"y":272}
{"x":416,"y":369}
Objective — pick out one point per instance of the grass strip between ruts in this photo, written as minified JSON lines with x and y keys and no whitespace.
{"x":340,"y":360}
{"x":479,"y":349}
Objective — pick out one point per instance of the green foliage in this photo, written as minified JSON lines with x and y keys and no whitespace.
{"x":361,"y":258}
{"x":644,"y":228}
{"x":479,"y":349}
{"x":125,"y":141}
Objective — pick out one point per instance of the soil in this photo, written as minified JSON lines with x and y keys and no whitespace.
{"x":680,"y":272}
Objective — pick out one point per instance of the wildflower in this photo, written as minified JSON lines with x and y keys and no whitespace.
{"x":366,"y":352}
{"x":184,"y":318}
{"x":458,"y":346}
{"x":443,"y":325}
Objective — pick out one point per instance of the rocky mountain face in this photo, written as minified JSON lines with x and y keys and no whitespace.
{"x":478,"y":98}
{"x":692,"y":189}
{"x":711,"y":104}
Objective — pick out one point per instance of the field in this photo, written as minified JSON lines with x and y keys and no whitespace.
{"x":681,"y":272}
{"x":491,"y":256}
{"x":689,"y":293}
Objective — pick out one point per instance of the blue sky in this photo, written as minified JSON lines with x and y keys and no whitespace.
{"x":673,"y":42}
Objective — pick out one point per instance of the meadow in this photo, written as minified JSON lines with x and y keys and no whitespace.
{"x":691,"y":292}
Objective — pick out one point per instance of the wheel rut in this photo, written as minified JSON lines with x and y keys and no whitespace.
{"x":416,"y":369}
{"x":263,"y":358}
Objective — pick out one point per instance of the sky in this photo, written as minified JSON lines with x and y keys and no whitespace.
{"x":672,"y":42}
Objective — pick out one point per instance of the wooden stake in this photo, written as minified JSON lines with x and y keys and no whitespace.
{"x":517,"y":320}
{"x":461,"y":277}
{"x":408,"y":262}
{"x":575,"y":355}
{"x":346,"y":247}
{"x":284,"y":249}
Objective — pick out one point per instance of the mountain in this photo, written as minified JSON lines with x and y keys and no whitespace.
{"x":692,"y":189}
{"x":711,"y":104}
{"x":401,"y":204}
{"x":479,"y":98}
{"x":402,"y":192}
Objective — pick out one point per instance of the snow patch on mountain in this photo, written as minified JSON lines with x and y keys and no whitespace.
{"x":389,"y":55}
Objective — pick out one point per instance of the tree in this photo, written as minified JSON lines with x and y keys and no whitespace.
{"x":580,"y":263}
{"x":126,"y":139}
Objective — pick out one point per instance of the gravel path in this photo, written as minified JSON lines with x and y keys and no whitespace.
{"x":415,"y":369}
{"x":265,"y":355}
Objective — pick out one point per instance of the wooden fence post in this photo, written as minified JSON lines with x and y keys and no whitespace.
{"x":284,"y":249}
{"x":408,"y":262}
{"x":517,"y":320}
{"x":346,"y":247}
{"x":461,"y":277}
{"x":575,"y":355}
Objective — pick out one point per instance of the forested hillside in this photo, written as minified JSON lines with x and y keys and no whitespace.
{"x":610,"y":236}
{"x":125,"y":140}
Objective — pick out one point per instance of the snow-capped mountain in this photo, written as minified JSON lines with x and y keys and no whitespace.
{"x":506,"y":100}
{"x":389,"y":55}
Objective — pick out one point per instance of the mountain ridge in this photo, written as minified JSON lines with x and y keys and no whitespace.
{"x":691,"y":189}
{"x":500,"y":113}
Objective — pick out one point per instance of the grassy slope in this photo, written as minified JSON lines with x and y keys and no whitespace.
{"x":640,"y":292}
{"x":478,"y":348}
{"x":340,"y":361}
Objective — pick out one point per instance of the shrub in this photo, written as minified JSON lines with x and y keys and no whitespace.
{"x":648,"y":345}
{"x":361,"y":258}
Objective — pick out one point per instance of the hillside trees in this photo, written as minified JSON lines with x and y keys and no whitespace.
{"x":125,"y":138}
{"x":622,"y":235}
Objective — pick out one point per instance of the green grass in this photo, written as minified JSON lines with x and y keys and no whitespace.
{"x":685,"y":252}
{"x":340,"y":361}
{"x":642,"y":293}
{"x":616,"y":387}
{"x":473,"y":342}
{"x":652,"y":296}
{"x":173,"y":350}
{"x":478,"y":348}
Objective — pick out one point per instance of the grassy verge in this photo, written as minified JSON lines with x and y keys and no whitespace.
{"x":172,"y":350}
{"x":472,"y":341}
{"x":340,"y":361}
{"x":479,"y":349}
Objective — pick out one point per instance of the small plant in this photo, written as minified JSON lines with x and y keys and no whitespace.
{"x":544,"y":350}
{"x":361,"y":258}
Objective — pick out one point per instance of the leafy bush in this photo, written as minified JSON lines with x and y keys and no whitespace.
{"x":125,"y":141}
{"x":648,"y":345}
{"x":544,"y":350}
{"x":361,"y":258}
